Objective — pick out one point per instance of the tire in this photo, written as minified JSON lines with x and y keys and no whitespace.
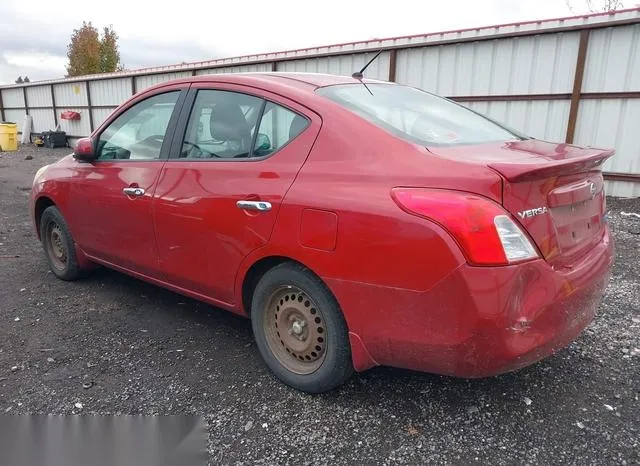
{"x":300,"y":330}
{"x":59,"y":247}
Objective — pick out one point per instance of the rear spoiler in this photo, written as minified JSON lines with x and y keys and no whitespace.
{"x":585,"y":160}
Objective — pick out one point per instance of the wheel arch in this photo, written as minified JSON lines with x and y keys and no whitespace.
{"x":256,"y":271}
{"x":40,"y":205}
{"x":361,"y":358}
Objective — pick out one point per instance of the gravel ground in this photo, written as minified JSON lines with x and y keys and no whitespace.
{"x":144,"y":350}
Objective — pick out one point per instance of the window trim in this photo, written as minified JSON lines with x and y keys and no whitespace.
{"x":185,"y":115}
{"x":170,"y":130}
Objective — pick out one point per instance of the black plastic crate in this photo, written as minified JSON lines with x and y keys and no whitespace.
{"x":54,"y":139}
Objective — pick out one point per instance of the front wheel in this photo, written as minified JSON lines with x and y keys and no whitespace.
{"x":299,"y":329}
{"x":59,"y":246}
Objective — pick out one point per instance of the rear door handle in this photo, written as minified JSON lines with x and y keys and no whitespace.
{"x":261,"y":206}
{"x":135,"y":192}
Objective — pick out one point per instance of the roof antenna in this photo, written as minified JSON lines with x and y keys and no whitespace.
{"x":359,"y":75}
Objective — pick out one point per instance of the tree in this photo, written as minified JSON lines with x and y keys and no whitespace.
{"x":109,"y":53}
{"x":26,"y":79}
{"x":19,"y":80}
{"x":88,"y":53}
{"x":84,"y":51}
{"x":605,"y":5}
{"x":599,"y":5}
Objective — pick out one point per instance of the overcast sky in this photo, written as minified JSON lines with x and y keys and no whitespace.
{"x":34,"y":34}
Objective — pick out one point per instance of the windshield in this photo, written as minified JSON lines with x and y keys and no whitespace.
{"x":416,"y":115}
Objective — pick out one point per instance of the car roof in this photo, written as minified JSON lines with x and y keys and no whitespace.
{"x":317,"y":79}
{"x":293,"y":80}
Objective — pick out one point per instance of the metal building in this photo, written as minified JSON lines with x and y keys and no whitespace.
{"x":574,"y":80}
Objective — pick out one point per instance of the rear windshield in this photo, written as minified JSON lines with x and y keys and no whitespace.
{"x":416,"y":115}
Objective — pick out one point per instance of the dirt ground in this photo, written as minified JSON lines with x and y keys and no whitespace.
{"x":118,"y":345}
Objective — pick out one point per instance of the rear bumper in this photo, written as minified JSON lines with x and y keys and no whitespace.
{"x":478,"y":321}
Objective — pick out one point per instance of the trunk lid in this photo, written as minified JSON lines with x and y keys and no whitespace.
{"x":555,"y":191}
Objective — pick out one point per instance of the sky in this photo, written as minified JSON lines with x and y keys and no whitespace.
{"x":34,"y":34}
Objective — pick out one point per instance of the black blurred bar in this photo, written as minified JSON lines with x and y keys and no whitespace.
{"x":86,"y":440}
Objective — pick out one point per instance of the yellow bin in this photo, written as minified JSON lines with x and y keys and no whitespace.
{"x":8,"y":137}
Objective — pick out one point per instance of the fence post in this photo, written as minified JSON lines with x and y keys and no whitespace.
{"x":133,"y":85}
{"x":26,"y":103}
{"x":393,"y":56}
{"x":577,"y":86}
{"x":1,"y":107}
{"x":53,"y":105}
{"x":26,"y":109}
{"x":89,"y":104}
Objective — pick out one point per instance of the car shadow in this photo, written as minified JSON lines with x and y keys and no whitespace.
{"x":232,"y":334}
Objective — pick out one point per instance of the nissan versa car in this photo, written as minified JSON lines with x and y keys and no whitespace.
{"x":355,"y":222}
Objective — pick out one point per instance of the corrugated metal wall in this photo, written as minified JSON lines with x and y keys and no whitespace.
{"x":613,"y":65}
{"x":520,"y":65}
{"x":523,"y":75}
{"x":16,"y":116}
{"x":613,"y":60}
{"x":541,"y":119}
{"x":110,"y":91}
{"x":342,"y":65}
{"x":143,"y":82}
{"x":258,"y":67}
{"x":42,"y":119}
{"x":12,"y":98}
{"x":39,"y":96}
{"x":100,"y":114}
{"x":72,"y":94}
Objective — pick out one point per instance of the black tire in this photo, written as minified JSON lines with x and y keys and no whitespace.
{"x":68,"y":268}
{"x":336,"y":366}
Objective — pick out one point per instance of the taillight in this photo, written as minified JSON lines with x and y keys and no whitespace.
{"x":484,"y":230}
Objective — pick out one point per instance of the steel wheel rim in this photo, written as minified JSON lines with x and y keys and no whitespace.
{"x":56,"y":249}
{"x":295,"y":330}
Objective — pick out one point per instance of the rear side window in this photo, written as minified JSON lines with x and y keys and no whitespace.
{"x":223,"y":125}
{"x":278,"y":126}
{"x":417,"y":116}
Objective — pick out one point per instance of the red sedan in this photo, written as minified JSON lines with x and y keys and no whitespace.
{"x":356,"y":222}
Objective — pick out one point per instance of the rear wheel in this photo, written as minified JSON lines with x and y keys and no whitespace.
{"x":58,"y":245}
{"x":299,"y":329}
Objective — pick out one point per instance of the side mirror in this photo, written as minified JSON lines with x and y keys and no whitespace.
{"x":84,"y":150}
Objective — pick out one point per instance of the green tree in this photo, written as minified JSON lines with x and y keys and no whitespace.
{"x":109,"y":53}
{"x":88,"y":53}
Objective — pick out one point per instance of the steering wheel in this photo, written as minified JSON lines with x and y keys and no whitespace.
{"x":202,"y":151}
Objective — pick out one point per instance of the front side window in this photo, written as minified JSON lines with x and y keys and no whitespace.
{"x":417,"y":116}
{"x":138,"y":133}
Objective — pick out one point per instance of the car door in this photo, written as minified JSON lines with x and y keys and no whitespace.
{"x":111,"y":197}
{"x":235,"y":155}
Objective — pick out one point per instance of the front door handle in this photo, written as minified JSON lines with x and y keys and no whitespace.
{"x":135,"y":192}
{"x":261,"y":206}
